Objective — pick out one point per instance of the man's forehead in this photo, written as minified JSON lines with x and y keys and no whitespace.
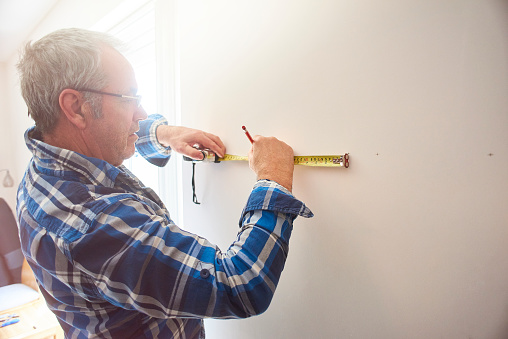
{"x":118,"y":70}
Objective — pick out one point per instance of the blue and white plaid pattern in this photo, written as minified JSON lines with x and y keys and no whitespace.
{"x":147,"y":144}
{"x":112,"y":264}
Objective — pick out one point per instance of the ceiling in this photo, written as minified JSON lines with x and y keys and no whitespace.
{"x":18,"y":18}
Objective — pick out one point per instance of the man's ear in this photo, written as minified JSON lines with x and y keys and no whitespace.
{"x":71,"y":102}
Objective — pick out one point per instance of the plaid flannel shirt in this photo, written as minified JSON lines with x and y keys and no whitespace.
{"x":111,"y":263}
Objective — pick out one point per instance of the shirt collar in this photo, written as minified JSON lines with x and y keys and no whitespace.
{"x":68,"y":164}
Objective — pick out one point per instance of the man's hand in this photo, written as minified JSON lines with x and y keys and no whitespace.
{"x":272,"y":159}
{"x":182,"y":140}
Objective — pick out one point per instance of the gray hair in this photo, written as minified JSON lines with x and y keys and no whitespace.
{"x":67,"y":58}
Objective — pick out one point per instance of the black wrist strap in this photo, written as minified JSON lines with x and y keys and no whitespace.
{"x":194,"y":196}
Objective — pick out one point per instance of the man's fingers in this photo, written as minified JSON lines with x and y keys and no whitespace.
{"x":214,"y":143}
{"x":192,"y":152}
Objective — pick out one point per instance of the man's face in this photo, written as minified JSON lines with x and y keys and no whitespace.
{"x":112,"y":136}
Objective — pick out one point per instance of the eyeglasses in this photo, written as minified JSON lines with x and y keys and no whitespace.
{"x":135,"y":97}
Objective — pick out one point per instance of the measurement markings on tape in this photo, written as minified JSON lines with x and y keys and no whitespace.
{"x":231,"y":157}
{"x":323,"y":160}
{"x":305,"y":160}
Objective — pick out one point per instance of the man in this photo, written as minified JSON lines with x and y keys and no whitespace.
{"x":109,"y":260}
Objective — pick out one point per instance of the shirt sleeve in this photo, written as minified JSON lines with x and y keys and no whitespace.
{"x":141,"y":261}
{"x":148,"y":145}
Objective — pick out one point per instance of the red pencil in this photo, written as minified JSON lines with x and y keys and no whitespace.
{"x":247,"y":134}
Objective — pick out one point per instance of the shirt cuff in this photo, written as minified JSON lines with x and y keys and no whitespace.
{"x":269,"y":195}
{"x":148,"y":145}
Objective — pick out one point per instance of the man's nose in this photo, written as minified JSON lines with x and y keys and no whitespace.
{"x":140,"y":113}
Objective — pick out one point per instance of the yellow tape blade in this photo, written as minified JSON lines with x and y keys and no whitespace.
{"x":231,"y":157}
{"x":320,"y":160}
{"x":310,"y":160}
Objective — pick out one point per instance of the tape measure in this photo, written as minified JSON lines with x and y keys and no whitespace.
{"x":304,"y":160}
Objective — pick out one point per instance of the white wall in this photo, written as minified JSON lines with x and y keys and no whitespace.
{"x":6,"y":152}
{"x":411,"y":240}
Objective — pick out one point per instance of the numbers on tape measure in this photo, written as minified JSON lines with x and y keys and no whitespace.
{"x":337,"y":160}
{"x":317,"y":160}
{"x":323,"y":160}
{"x":230,"y":157}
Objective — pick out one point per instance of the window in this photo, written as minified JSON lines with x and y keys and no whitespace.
{"x":140,"y":26}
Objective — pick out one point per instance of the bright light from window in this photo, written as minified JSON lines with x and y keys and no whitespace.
{"x":137,"y":30}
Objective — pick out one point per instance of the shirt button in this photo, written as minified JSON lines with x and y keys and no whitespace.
{"x":204,"y":273}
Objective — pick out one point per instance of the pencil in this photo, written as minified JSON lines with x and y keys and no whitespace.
{"x":247,"y":134}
